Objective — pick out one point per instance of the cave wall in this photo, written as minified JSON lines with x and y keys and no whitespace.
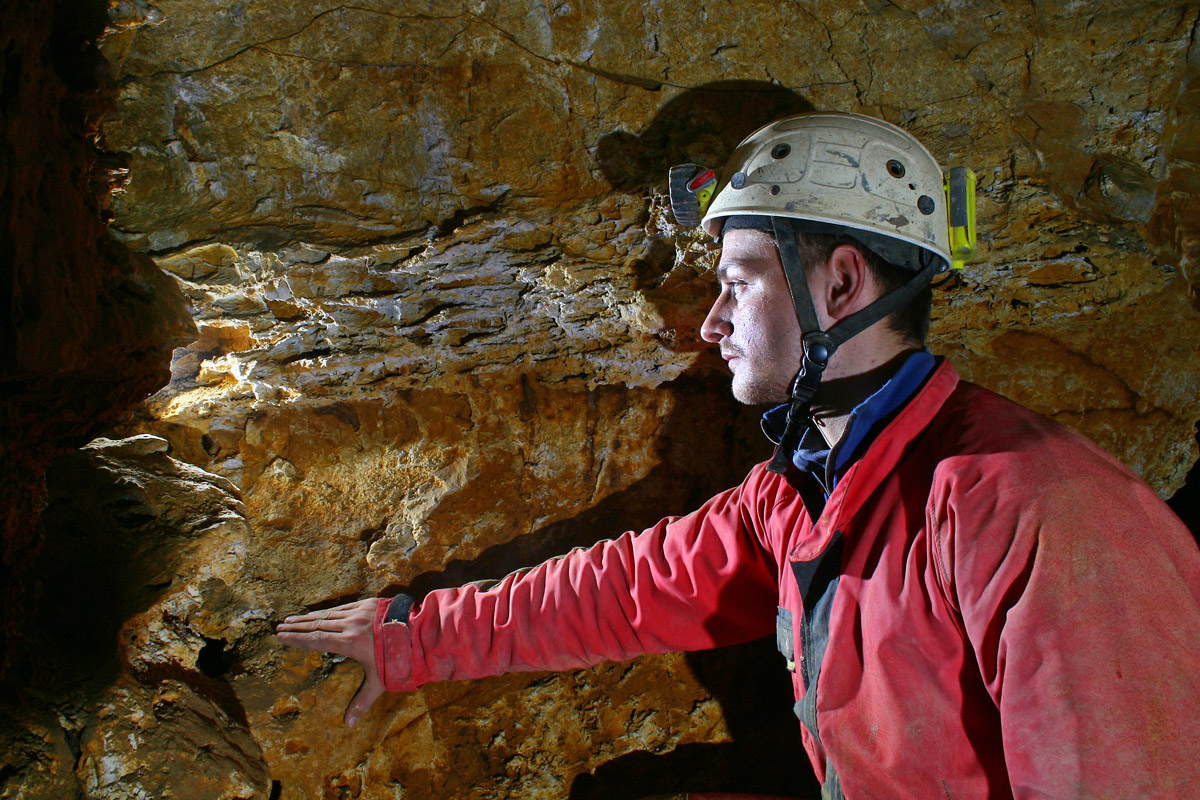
{"x":446,"y":328}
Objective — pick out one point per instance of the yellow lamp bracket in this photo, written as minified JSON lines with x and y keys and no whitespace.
{"x":960,"y":200}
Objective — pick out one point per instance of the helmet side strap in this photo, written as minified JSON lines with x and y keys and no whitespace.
{"x":819,"y":345}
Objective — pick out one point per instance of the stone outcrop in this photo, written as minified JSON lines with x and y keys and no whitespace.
{"x":145,"y":587}
{"x":446,"y":328}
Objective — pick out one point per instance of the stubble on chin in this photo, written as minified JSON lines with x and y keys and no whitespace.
{"x":754,"y":391}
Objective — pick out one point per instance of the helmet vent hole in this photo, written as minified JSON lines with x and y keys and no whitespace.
{"x":781,"y":150}
{"x":912,"y":186}
{"x":895,"y":168}
{"x":925,"y":204}
{"x":774,"y":190}
{"x":738,"y":180}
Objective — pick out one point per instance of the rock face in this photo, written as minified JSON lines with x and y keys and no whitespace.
{"x":359,"y":200}
{"x":147,"y":558}
{"x":446,"y":328}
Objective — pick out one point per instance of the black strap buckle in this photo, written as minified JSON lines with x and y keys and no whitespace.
{"x":818,"y":349}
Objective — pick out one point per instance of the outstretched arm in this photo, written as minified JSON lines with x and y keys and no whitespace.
{"x":688,"y":583}
{"x":691,"y":583}
{"x":347,"y":630}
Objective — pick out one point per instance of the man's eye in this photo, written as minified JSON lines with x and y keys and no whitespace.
{"x":734,"y":287}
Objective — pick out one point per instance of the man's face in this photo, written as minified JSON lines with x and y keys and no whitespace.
{"x":753,"y":319}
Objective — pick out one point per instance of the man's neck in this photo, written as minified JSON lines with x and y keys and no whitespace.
{"x":837,"y":398}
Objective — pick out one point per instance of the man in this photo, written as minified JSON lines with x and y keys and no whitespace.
{"x":974,"y":602}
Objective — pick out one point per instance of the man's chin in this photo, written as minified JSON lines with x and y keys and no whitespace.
{"x":756,"y":394}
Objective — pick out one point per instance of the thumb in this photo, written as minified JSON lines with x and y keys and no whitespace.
{"x":366,"y":696}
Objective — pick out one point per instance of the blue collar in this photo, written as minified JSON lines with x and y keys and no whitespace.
{"x":813,"y":454}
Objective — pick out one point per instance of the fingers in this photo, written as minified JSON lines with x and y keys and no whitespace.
{"x":319,"y":633}
{"x":346,"y":619}
{"x":347,"y":630}
{"x":358,"y":608}
{"x":366,"y":696}
{"x":307,"y":624}
{"x":325,"y":641}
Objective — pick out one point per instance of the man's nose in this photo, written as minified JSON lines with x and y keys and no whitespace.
{"x":716,"y":325}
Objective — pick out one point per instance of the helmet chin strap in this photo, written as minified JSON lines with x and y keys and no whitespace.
{"x":819,"y":346}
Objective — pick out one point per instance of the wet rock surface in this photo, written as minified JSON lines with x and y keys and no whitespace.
{"x":445,"y":328}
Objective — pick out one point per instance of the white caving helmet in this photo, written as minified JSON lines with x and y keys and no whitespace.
{"x":845,"y":174}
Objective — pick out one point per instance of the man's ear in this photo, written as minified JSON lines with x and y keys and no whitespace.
{"x":847,"y":284}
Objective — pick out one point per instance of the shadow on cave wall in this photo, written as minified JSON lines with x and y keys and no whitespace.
{"x":706,"y":445}
{"x":1186,"y":501}
{"x":704,"y":124}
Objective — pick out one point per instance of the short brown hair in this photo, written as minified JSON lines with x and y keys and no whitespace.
{"x":910,"y":321}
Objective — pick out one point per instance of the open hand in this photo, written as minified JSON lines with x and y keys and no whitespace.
{"x":347,"y":630}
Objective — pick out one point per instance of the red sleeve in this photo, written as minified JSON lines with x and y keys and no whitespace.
{"x":689,"y":583}
{"x":1080,"y":594}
